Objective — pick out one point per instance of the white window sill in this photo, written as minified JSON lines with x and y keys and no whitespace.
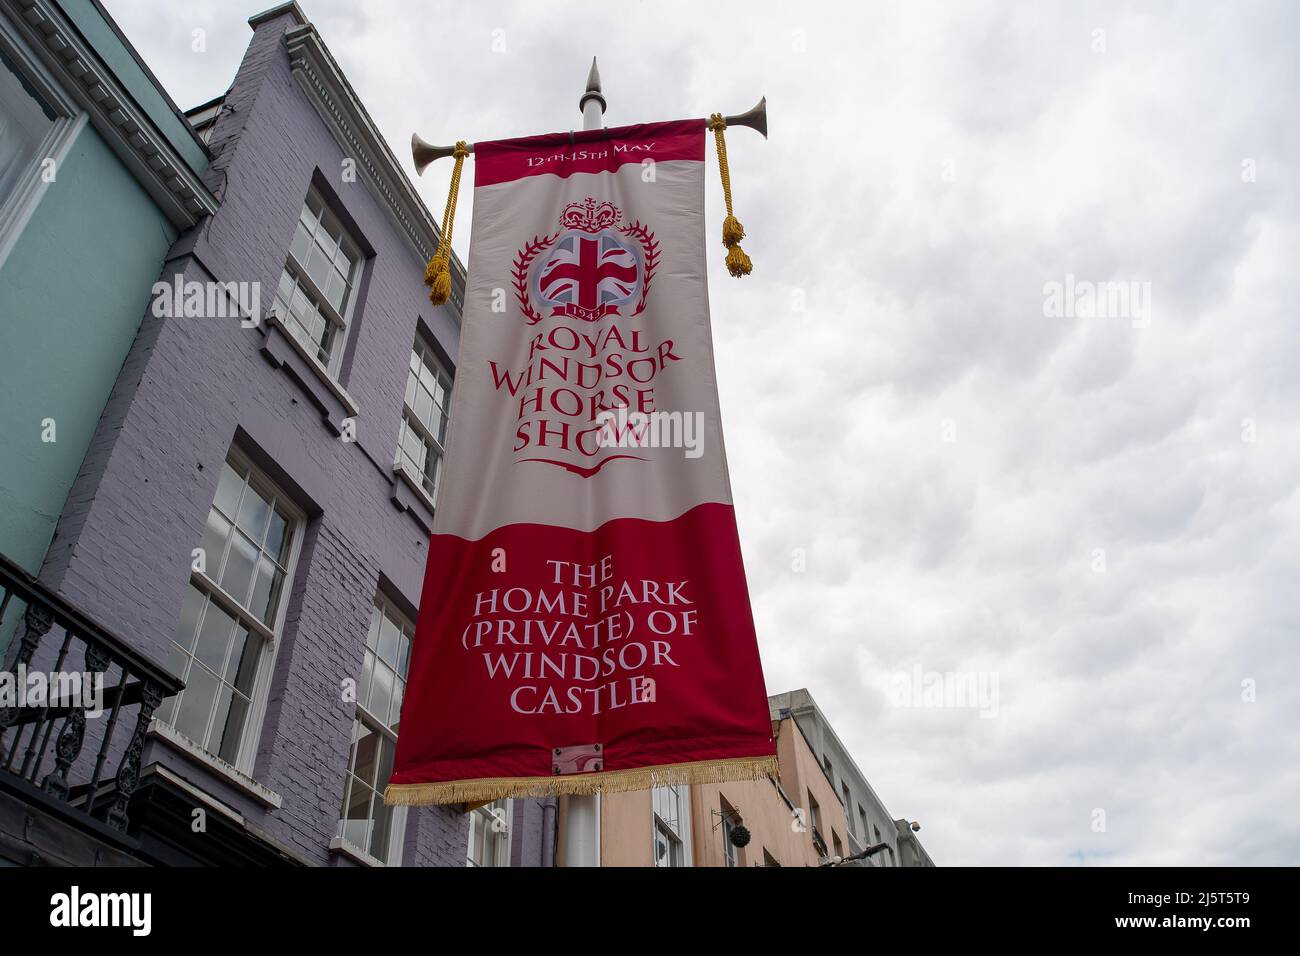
{"x":414,"y":484}
{"x":177,"y":741}
{"x":340,"y":394}
{"x":342,"y":847}
{"x":409,"y":496}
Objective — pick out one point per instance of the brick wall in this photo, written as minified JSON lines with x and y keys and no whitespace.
{"x":192,"y":387}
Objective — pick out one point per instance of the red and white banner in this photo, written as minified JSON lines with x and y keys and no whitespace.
{"x":585,"y":623}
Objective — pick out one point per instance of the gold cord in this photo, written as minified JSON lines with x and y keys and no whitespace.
{"x":437,"y":275}
{"x":738,"y":263}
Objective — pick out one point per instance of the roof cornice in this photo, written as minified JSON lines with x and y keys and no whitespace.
{"x":266,"y":16}
{"x":331,"y":94}
{"x":154,"y":161}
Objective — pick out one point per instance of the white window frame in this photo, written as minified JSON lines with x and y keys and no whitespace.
{"x":397,"y":829}
{"x":815,"y":824}
{"x":683,"y":833}
{"x":730,"y":852}
{"x":486,"y":816}
{"x":16,"y":210}
{"x":730,"y":820}
{"x":410,"y":419}
{"x":342,"y":321}
{"x":270,"y":636}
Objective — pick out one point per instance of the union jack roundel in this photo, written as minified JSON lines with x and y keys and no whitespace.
{"x":591,"y":267}
{"x":588,"y":276}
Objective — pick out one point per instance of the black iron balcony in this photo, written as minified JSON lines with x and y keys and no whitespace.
{"x":44,"y":756}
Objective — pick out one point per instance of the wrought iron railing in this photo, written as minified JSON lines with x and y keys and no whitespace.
{"x":45,"y":635}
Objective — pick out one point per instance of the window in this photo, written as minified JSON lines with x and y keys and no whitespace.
{"x":204,"y":118}
{"x":317,"y":288}
{"x":489,"y":835}
{"x":364,"y":822}
{"x":848,"y":806}
{"x":26,"y":119}
{"x":232,"y":614}
{"x":38,"y":124}
{"x":424,"y":419}
{"x":862,"y":822}
{"x":728,"y":848}
{"x":836,"y":846}
{"x":671,"y":822}
{"x":814,"y":812}
{"x":730,"y":820}
{"x":815,"y":818}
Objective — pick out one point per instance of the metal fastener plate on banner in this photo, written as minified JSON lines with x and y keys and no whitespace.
{"x":585,"y":758}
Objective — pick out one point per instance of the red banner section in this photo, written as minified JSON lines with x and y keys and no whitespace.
{"x":634,"y":637}
{"x":590,"y":151}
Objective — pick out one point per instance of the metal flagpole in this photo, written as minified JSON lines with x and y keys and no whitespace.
{"x":581,"y":846}
{"x":592,"y":102}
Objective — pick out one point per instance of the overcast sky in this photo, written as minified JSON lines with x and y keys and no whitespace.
{"x":1098,"y":512}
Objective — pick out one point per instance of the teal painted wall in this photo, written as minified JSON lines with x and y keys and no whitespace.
{"x":72,"y":294}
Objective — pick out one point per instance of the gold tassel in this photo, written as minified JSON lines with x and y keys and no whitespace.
{"x":738,"y":263}
{"x":437,"y":274}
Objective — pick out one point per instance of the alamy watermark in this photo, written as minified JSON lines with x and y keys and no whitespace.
{"x":76,"y":689}
{"x":1079,"y":299}
{"x":970,"y":690}
{"x":620,"y":428}
{"x":75,"y":908}
{"x":207,"y":300}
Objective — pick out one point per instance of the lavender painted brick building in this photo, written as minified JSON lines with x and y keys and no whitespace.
{"x":239,"y":515}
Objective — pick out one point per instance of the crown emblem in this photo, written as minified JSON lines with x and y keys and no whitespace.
{"x":588,"y":216}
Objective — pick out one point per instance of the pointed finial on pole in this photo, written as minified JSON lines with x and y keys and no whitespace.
{"x":592,"y":102}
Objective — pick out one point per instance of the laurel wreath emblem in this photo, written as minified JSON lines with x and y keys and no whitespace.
{"x":649,"y":252}
{"x":637,"y":232}
{"x":527,"y":254}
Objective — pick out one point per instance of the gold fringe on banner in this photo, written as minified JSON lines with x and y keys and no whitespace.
{"x":437,"y":274}
{"x":487,"y":789}
{"x":738,"y":264}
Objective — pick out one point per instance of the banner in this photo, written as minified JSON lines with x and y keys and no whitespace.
{"x":585,"y":623}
